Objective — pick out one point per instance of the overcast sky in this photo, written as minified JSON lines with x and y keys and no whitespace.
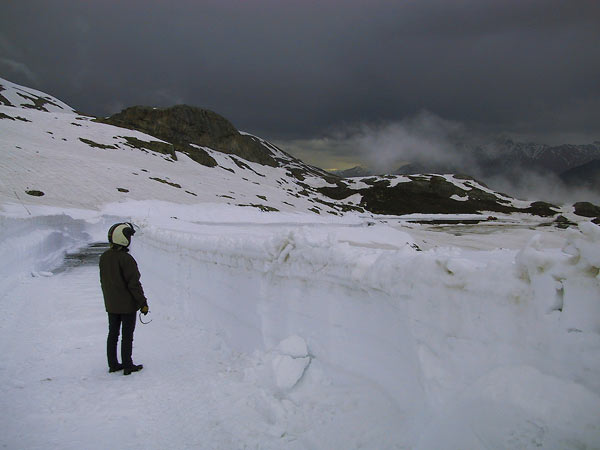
{"x":306,"y":73}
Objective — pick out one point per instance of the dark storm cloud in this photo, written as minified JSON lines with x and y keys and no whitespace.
{"x":294,"y":69}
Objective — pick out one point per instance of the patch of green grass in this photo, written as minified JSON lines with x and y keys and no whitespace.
{"x":263,"y":208}
{"x":342,"y":206}
{"x":155,"y":146}
{"x":96,"y":145}
{"x":22,"y":119}
{"x":38,"y":102}
{"x":3,"y":100}
{"x":244,"y":166}
{"x":160,"y":180}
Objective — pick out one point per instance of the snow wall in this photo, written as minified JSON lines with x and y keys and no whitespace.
{"x":458,"y":340}
{"x":451,"y":336}
{"x":37,"y":244}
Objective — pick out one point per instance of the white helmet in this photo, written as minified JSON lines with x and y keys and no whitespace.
{"x":120,"y":234}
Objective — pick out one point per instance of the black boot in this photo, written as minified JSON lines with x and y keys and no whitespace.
{"x":134,"y":368}
{"x":115,"y":368}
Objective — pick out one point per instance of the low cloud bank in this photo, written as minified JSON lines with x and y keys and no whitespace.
{"x":429,"y":143}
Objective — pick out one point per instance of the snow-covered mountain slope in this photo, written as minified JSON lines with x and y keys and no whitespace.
{"x":59,"y":157}
{"x":12,"y":94}
{"x":98,"y":163}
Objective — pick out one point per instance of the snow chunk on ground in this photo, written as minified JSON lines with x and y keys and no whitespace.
{"x":290,"y":365}
{"x":293,"y":346}
{"x":562,"y":281}
{"x":288,"y":370}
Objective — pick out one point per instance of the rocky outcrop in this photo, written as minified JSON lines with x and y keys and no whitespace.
{"x":431,"y":194}
{"x":183,"y":125}
{"x":586,"y":209}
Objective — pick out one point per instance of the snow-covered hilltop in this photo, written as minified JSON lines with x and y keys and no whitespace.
{"x":59,"y":157}
{"x":188,"y":155}
{"x":286,"y":312}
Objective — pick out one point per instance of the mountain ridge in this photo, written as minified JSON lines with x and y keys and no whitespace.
{"x":183,"y":125}
{"x":510,"y":160}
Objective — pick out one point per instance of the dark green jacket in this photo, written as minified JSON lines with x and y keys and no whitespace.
{"x":120,"y":281}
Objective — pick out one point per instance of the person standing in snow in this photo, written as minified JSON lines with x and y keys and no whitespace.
{"x":123,"y":296}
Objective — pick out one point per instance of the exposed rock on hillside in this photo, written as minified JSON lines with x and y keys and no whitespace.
{"x":17,"y":96}
{"x":586,"y":209}
{"x":430,"y":194}
{"x":183,"y":125}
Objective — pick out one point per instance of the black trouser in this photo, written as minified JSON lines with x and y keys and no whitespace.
{"x":114,"y":326}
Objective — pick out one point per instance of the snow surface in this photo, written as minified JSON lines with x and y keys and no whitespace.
{"x":25,"y":97}
{"x":284,"y":329}
{"x":271,"y":334}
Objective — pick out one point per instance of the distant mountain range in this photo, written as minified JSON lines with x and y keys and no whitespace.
{"x":586,"y":175}
{"x":543,"y":158}
{"x":575,"y":165}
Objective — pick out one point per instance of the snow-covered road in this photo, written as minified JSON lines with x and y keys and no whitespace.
{"x":194,"y":391}
{"x":57,"y":392}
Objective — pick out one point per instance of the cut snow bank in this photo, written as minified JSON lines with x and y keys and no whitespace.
{"x":430,"y":329}
{"x":35,"y":245}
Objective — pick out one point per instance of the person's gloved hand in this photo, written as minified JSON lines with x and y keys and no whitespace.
{"x":144,"y":309}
